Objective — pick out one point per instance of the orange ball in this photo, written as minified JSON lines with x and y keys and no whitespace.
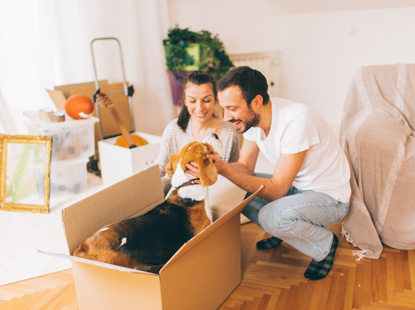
{"x":139,"y":141}
{"x":79,"y":106}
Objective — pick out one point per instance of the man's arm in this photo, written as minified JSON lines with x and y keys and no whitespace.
{"x":247,"y":158}
{"x":240,"y":173}
{"x":285,"y":171}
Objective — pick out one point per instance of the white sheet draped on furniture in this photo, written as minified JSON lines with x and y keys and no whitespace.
{"x":377,"y":133}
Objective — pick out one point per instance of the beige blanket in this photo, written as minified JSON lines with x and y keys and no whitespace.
{"x":377,"y":133}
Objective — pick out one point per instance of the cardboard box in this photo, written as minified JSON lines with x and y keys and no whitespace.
{"x":118,"y":163}
{"x":109,"y":125}
{"x":201,"y":275}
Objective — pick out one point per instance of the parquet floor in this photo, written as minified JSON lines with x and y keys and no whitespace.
{"x":272,"y":279}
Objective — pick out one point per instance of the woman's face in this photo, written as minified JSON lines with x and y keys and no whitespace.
{"x":200,"y":101}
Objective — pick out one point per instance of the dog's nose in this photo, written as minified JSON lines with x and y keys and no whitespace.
{"x":215,"y":136}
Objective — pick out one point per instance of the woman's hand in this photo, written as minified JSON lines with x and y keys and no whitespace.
{"x":193,"y":170}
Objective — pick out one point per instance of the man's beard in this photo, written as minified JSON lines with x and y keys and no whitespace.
{"x":251,"y":121}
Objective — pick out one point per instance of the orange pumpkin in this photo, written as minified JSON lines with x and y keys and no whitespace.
{"x":79,"y":106}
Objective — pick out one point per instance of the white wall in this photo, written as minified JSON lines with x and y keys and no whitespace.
{"x":243,"y":26}
{"x":320,"y":52}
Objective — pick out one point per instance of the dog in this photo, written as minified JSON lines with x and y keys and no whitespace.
{"x":152,"y":238}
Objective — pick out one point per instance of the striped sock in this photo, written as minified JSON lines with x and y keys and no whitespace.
{"x":319,"y":270}
{"x":268,"y":243}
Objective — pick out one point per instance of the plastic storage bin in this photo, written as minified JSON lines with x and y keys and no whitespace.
{"x":66,"y":177}
{"x":72,"y":138}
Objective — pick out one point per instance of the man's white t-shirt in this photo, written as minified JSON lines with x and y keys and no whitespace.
{"x":296,"y":127}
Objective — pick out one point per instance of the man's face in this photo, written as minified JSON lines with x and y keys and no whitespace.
{"x":236,"y":109}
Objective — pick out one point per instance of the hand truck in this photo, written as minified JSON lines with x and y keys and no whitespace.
{"x":92,"y":165}
{"x":128,"y":91}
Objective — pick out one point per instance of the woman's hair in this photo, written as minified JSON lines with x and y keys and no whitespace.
{"x":251,"y":82}
{"x":197,"y":78}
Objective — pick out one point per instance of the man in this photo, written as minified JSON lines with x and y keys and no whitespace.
{"x":309,"y":187}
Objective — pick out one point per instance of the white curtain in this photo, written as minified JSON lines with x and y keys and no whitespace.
{"x":45,"y":43}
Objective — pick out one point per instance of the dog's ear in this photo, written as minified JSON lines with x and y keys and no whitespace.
{"x":207,"y":170}
{"x":175,"y":158}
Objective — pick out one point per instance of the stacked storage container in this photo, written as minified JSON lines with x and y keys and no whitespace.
{"x":72,"y":144}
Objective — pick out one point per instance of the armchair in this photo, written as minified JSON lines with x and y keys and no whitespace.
{"x":377,"y":134}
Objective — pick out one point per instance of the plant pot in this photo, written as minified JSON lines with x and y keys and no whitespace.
{"x":176,"y":86}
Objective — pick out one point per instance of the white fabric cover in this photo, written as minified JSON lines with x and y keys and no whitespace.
{"x":377,"y":134}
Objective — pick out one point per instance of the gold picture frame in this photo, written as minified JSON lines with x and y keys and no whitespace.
{"x":25,"y":173}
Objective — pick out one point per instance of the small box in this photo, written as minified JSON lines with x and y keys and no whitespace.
{"x":66,"y":177}
{"x":118,"y":163}
{"x":200,"y":275}
{"x":71,"y":138}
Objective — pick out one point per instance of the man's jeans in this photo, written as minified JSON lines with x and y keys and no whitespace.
{"x":299,"y":219}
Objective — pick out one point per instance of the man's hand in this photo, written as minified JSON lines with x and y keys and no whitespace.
{"x":218,"y":162}
{"x":193,"y":168}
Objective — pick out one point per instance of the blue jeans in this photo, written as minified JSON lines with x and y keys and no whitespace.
{"x":299,"y":218}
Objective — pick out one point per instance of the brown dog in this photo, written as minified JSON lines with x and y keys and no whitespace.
{"x":152,"y":238}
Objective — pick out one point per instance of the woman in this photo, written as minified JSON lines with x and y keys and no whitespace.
{"x":196,"y":121}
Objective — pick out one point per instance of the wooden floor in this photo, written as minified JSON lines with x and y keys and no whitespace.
{"x":272,"y":279}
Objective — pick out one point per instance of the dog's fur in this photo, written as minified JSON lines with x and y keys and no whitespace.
{"x":152,"y":238}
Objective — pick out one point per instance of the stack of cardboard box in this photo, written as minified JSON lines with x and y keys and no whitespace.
{"x":115,"y":163}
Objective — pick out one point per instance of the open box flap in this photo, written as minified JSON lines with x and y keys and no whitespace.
{"x":58,"y":98}
{"x":210,"y":229}
{"x":95,"y":263}
{"x":66,"y":89}
{"x":62,"y":92}
{"x":137,"y":195}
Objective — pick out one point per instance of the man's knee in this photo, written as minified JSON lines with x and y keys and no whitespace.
{"x":279,"y":219}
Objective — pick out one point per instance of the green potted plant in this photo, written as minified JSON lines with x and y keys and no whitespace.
{"x":187,"y":51}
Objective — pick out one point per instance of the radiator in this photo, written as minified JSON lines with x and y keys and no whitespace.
{"x":267,"y":63}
